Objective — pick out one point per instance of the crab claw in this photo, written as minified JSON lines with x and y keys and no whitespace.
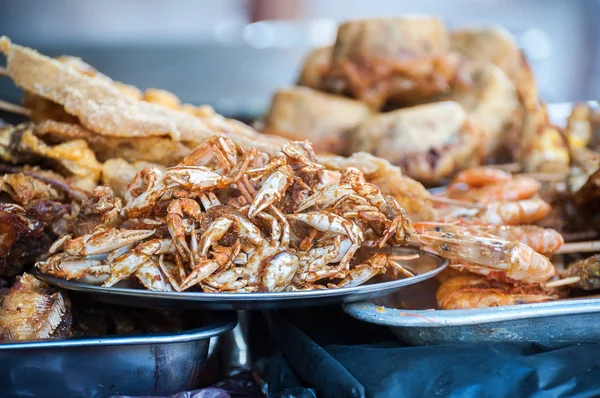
{"x":104,"y":241}
{"x":201,"y":271}
{"x":272,"y":190}
{"x":197,"y":178}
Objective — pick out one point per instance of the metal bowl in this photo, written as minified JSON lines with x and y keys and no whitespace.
{"x":153,"y":364}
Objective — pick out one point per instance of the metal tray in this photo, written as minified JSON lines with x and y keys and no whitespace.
{"x":427,"y":266}
{"x":153,"y":364}
{"x":553,"y":323}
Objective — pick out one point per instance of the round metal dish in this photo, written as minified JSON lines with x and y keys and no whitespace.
{"x":424,"y":267}
{"x":102,"y":366}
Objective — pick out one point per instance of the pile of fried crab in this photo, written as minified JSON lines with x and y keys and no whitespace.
{"x":109,"y":185}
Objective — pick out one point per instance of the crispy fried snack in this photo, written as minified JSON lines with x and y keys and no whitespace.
{"x":403,"y":60}
{"x":429,"y":142}
{"x":300,"y":113}
{"x":315,"y":67}
{"x":73,"y":158}
{"x":489,"y":44}
{"x":492,"y":103}
{"x":105,"y":109}
{"x":33,"y":310}
{"x":160,"y":150}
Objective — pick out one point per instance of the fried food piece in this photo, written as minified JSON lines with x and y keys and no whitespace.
{"x":22,"y":240}
{"x":162,"y":97}
{"x":402,"y":60}
{"x":588,"y":270}
{"x":118,"y":173}
{"x":19,"y":144}
{"x":543,"y":147}
{"x":429,"y":142}
{"x":316,"y":65}
{"x":32,"y":310}
{"x":146,"y":149}
{"x":474,"y":291}
{"x":24,"y":189}
{"x":89,"y":70}
{"x":492,"y":103}
{"x":43,"y":205}
{"x":101,"y":107}
{"x":42,"y":109}
{"x":579,"y":126}
{"x":300,"y":113}
{"x":489,"y":44}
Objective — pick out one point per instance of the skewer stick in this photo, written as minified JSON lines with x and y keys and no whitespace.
{"x":509,"y":167}
{"x":455,"y":202}
{"x":3,"y":71}
{"x":563,"y":282}
{"x":579,"y":247}
{"x":578,"y":236}
{"x":12,"y":108}
{"x":546,"y":177}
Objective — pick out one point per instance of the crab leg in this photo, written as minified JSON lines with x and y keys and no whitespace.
{"x":104,"y":241}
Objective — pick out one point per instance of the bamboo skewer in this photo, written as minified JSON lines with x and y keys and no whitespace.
{"x":578,"y":236}
{"x":455,"y":202}
{"x":513,"y":167}
{"x":546,"y":177}
{"x":563,"y":282}
{"x":13,"y":108}
{"x":579,"y":247}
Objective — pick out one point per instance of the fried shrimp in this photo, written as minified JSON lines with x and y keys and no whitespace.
{"x":481,"y":255}
{"x":542,"y":240}
{"x":473,"y":291}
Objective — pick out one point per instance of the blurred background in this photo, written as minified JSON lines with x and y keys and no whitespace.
{"x":232,"y":54}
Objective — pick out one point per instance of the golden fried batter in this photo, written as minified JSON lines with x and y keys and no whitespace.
{"x":159,"y":150}
{"x":103,"y":108}
{"x":31,"y":310}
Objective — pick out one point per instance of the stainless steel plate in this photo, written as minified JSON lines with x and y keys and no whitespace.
{"x":152,"y":364}
{"x":425,"y":267}
{"x":553,"y":323}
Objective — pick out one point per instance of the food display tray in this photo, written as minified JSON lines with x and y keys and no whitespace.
{"x":425,"y":267}
{"x":555,"y":323}
{"x":152,"y":364}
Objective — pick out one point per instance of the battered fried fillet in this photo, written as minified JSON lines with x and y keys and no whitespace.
{"x":429,"y":142}
{"x":32,"y":310}
{"x":159,"y":150}
{"x":489,"y":44}
{"x":316,"y":65}
{"x":492,"y":103}
{"x":392,"y":59}
{"x":101,"y":107}
{"x":300,"y":113}
{"x":118,"y":173}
